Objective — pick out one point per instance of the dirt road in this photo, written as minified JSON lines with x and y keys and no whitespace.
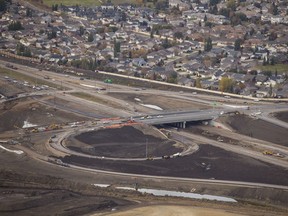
{"x":173,"y":211}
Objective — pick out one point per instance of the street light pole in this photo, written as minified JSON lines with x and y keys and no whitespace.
{"x":146,"y":148}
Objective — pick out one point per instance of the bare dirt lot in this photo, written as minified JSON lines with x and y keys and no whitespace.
{"x":125,"y":142}
{"x":14,"y":113}
{"x":258,"y":129}
{"x":175,"y":210}
{"x":23,"y":194}
{"x":283,"y":116}
{"x":8,"y":89}
{"x":208,"y":162}
{"x":163,"y":102}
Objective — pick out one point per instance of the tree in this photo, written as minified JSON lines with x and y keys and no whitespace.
{"x":52,"y":34}
{"x":197,"y":83}
{"x":265,"y":61}
{"x":29,"y":12}
{"x":166,"y":44}
{"x":123,"y":17}
{"x":208,"y":44}
{"x":152,"y":34}
{"x":237,"y":44}
{"x":172,"y":78}
{"x":15,"y":26}
{"x":272,"y":36}
{"x":275,"y":10}
{"x":117,"y":46}
{"x":3,"y":5}
{"x":225,"y":12}
{"x":55,"y":7}
{"x":23,"y":50}
{"x":226,"y":84}
{"x":213,"y":9}
{"x":231,"y":4}
{"x":178,"y":35}
{"x":213,"y":2}
{"x":270,"y":90}
{"x":205,"y":18}
{"x":90,"y":37}
{"x":161,"y":5}
{"x":81,"y":30}
{"x":272,"y":60}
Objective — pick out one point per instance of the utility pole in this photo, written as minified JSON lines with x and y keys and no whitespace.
{"x":146,"y":148}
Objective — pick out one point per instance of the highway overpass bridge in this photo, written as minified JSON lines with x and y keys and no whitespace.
{"x":178,"y":119}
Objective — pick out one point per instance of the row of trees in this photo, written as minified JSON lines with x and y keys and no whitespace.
{"x":92,"y":64}
{"x":208,"y":44}
{"x":55,"y":7}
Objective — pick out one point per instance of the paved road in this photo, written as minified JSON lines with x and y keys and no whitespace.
{"x":174,"y":117}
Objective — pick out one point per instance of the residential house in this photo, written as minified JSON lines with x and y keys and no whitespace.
{"x":260,"y":79}
{"x":139,"y":62}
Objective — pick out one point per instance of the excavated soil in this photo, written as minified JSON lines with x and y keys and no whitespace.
{"x":208,"y":162}
{"x":125,"y":142}
{"x":166,"y":103}
{"x":257,"y":128}
{"x":283,"y":116}
{"x":14,"y":113}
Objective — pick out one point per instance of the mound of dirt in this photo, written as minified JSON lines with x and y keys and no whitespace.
{"x":257,"y":128}
{"x":283,"y":116}
{"x":125,"y":142}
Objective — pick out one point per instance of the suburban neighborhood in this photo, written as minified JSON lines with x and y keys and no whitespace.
{"x":230,"y":46}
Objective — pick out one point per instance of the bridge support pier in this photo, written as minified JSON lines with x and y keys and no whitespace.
{"x":183,"y":125}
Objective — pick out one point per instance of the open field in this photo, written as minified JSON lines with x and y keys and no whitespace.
{"x":14,"y":114}
{"x":96,"y":99}
{"x":164,"y":102}
{"x":73,"y":2}
{"x":280,"y":68}
{"x":283,"y":116}
{"x":103,"y":143}
{"x":90,"y":2}
{"x":258,"y":129}
{"x":173,"y":210}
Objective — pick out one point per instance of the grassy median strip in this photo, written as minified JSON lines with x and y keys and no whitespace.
{"x":32,"y":80}
{"x":96,"y":99}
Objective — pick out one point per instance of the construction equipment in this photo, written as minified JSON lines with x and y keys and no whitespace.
{"x":34,"y":130}
{"x":267,"y":153}
{"x":54,"y":127}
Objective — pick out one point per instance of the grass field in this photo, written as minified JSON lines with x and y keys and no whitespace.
{"x":280,"y":68}
{"x":89,"y":2}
